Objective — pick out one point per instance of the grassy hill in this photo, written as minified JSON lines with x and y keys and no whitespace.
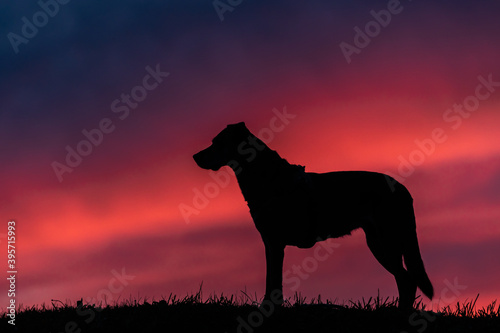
{"x":228,"y":314}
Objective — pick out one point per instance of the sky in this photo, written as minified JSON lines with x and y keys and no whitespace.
{"x":104,"y":104}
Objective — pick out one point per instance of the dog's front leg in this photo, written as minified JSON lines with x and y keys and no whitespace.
{"x":274,"y":274}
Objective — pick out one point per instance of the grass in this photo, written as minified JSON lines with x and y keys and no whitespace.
{"x":221,"y":313}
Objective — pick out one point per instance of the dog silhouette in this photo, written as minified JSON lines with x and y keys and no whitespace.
{"x":292,"y":207}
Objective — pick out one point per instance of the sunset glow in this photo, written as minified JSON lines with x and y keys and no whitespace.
{"x":123,"y":207}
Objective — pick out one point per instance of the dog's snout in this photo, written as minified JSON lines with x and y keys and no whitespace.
{"x":199,"y":158}
{"x":209,"y":158}
{"x":196,"y":157}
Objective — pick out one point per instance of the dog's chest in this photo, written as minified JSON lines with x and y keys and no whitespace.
{"x":288,"y":218}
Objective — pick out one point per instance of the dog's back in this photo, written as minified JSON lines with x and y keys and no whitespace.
{"x":317,"y":206}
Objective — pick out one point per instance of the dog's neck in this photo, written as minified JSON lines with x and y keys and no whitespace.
{"x":260,"y":178}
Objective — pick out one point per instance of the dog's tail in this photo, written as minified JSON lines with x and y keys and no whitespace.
{"x":415,"y":265}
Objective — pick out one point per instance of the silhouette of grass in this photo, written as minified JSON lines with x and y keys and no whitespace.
{"x":223,"y":313}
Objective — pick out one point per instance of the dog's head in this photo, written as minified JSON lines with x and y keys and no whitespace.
{"x":224,"y":147}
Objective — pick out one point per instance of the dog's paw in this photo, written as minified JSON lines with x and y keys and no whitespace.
{"x":272,"y":300}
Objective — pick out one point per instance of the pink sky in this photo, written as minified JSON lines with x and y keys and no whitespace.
{"x":119,"y":210}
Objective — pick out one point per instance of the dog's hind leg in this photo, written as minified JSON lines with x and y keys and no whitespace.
{"x":407,"y":288}
{"x":390,"y":256}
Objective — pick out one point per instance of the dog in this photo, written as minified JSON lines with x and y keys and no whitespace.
{"x":292,"y":207}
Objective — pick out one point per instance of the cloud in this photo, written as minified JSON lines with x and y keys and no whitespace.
{"x":232,"y":258}
{"x":120,"y":206}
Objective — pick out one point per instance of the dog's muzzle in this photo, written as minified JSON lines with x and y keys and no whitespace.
{"x":198,"y":158}
{"x":206,"y":160}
